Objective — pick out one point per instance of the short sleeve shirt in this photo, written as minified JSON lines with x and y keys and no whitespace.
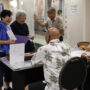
{"x":53,"y":56}
{"x":57,"y":23}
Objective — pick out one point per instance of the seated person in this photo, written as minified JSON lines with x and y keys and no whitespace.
{"x":19,"y":27}
{"x":53,"y":56}
{"x":87,"y":48}
{"x":84,"y":45}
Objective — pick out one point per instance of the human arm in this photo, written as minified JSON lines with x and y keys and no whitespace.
{"x":84,"y":55}
{"x":38,"y":57}
{"x":32,"y":37}
{"x":39,"y":23}
{"x":7,"y":41}
{"x":87,"y":48}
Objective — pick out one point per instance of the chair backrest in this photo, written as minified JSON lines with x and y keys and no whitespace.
{"x":83,"y":44}
{"x":73,"y":74}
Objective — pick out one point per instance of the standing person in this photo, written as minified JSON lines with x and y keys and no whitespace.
{"x":6,"y":17}
{"x":54,"y":21}
{"x":19,"y":27}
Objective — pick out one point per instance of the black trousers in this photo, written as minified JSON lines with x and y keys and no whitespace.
{"x":37,"y":86}
{"x":87,"y":82}
{"x":4,"y":72}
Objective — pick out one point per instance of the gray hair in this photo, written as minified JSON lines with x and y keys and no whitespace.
{"x":51,"y":10}
{"x":20,"y":13}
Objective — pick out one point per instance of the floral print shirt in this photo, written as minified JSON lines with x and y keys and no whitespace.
{"x":53,"y":56}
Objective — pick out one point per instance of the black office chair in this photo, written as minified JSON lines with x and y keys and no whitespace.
{"x":37,"y":86}
{"x":73,"y":74}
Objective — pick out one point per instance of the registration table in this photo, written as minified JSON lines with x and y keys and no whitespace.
{"x":23,"y":73}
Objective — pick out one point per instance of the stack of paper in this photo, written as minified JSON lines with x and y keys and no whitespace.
{"x":17,"y":53}
{"x":21,"y":65}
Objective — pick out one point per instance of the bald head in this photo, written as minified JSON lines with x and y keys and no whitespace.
{"x":51,"y":34}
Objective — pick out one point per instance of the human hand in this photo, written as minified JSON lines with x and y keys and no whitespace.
{"x":35,"y":18}
{"x":32,"y":37}
{"x":8,"y":57}
{"x":83,"y":47}
{"x":84,"y":55}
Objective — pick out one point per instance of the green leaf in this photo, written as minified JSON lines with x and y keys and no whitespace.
{"x":53,"y":78}
{"x":48,"y":56}
{"x":45,"y":66}
{"x":59,"y":63}
{"x":65,"y":52}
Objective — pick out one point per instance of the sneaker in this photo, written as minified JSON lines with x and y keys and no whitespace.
{"x":9,"y":88}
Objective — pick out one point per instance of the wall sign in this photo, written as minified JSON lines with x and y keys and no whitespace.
{"x":74,"y":9}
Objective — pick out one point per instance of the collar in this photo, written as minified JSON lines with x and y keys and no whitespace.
{"x":54,"y":41}
{"x":2,"y":24}
{"x":53,"y":19}
{"x":19,"y":24}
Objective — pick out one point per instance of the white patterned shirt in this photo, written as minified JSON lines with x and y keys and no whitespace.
{"x":53,"y":56}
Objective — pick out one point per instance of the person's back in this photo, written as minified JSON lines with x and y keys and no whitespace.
{"x":56,"y":54}
{"x":53,"y":56}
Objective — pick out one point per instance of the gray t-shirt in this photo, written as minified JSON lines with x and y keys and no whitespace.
{"x":57,"y":23}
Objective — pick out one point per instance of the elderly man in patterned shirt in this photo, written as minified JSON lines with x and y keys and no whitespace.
{"x":53,"y":56}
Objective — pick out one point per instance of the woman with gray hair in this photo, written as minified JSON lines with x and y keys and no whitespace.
{"x":20,"y":13}
{"x":19,"y":27}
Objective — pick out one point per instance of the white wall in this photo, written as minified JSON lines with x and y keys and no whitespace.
{"x":88,"y":20}
{"x":5,"y":3}
{"x":78,"y":24}
{"x":74,"y":22}
{"x":28,"y":7}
